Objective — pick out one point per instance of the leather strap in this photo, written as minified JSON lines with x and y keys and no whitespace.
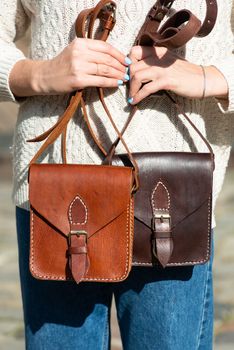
{"x":77,"y":240}
{"x":160,"y":9}
{"x":162,"y":242}
{"x":105,"y":14}
{"x":178,"y":29}
{"x":210,"y":19}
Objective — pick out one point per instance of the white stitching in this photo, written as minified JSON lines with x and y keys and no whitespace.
{"x":129,"y":231}
{"x":168,"y":197}
{"x":136,"y":263}
{"x":70,"y":211}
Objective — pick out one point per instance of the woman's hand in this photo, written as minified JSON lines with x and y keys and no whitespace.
{"x":83,"y":63}
{"x":157,"y":68}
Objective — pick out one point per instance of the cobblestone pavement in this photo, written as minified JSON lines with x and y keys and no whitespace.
{"x":11,"y":326}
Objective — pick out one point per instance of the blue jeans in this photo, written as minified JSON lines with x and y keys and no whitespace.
{"x":157,"y":309}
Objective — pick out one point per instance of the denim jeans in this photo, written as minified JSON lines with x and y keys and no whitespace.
{"x":157,"y":309}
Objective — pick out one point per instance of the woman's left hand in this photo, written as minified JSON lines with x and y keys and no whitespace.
{"x":157,"y":68}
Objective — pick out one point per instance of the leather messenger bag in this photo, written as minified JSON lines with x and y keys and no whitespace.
{"x":81,"y":215}
{"x":173,"y":205}
{"x":81,"y":218}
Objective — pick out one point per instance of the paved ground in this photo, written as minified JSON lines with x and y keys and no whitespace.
{"x":11,"y":327}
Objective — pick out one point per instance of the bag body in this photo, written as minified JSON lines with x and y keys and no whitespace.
{"x":173,"y":205}
{"x":81,"y":222}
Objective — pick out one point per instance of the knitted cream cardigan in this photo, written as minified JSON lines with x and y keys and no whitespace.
{"x":155,"y":127}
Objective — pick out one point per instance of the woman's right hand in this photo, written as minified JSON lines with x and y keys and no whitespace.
{"x":83,"y":63}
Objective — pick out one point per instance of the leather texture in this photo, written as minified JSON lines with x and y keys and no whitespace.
{"x":172,"y":225}
{"x":93,"y":200}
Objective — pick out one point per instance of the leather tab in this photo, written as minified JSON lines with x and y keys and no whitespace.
{"x":162,"y":242}
{"x":78,"y":257}
{"x":78,"y":238}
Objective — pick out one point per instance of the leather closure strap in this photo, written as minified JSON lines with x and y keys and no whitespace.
{"x":162,"y":242}
{"x":78,"y":239}
{"x":78,"y":255}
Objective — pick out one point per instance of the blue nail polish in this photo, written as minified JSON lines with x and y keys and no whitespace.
{"x":130,"y":100}
{"x":127,"y":60}
{"x":127,"y":77}
{"x":120,"y":82}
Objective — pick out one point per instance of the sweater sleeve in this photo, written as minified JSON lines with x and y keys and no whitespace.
{"x":13,"y":24}
{"x":226,"y":67}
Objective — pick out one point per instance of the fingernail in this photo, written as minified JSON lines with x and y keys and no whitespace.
{"x":130,"y":100}
{"x":120,"y":82}
{"x":127,"y":60}
{"x":126,"y":77}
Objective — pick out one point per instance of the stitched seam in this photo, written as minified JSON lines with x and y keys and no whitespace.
{"x":194,"y":261}
{"x":70,"y":211}
{"x":106,"y":331}
{"x":57,"y":278}
{"x":168,"y":197}
{"x":204,"y":308}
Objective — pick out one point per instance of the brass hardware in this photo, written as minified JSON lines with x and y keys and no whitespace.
{"x":112,"y":8}
{"x":159,"y":17}
{"x":77,"y":233}
{"x":162,"y":216}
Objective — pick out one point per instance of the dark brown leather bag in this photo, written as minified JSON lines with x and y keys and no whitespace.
{"x":174,"y":202}
{"x":173,"y":208}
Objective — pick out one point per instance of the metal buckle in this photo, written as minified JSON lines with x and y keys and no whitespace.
{"x":162,"y":216}
{"x":77,"y":233}
{"x":169,"y":4}
{"x":112,"y":8}
{"x":157,"y":13}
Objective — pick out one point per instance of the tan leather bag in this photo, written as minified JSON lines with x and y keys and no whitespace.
{"x":81,"y":222}
{"x":81,"y":215}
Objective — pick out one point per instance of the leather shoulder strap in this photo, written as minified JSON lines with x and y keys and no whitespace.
{"x":178,"y":29}
{"x":210,"y":19}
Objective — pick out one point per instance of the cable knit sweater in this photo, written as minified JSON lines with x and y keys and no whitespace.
{"x":155,"y":127}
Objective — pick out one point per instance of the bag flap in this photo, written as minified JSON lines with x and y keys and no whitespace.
{"x":103,"y":191}
{"x":186,"y":178}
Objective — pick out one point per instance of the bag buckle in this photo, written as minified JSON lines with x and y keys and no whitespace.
{"x":157,"y":13}
{"x":77,"y":233}
{"x":162,"y":216}
{"x":107,"y":17}
{"x":112,"y":8}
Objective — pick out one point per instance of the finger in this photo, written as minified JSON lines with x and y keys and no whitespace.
{"x":104,"y":47}
{"x":86,"y":80}
{"x":142,"y":52}
{"x":138,"y":66}
{"x":138,"y":53}
{"x":147,"y":90}
{"x":105,"y":59}
{"x":103,"y":70}
{"x":141,"y":77}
